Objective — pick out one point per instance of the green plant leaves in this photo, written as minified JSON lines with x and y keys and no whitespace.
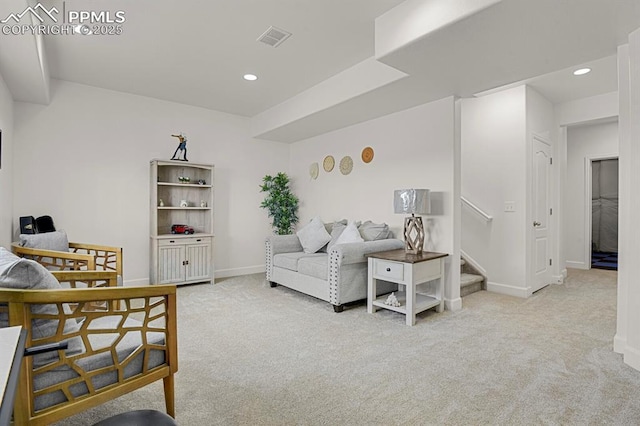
{"x":280,"y":202}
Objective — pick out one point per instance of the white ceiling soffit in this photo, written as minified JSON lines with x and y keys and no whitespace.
{"x":23,"y":63}
{"x":465,"y":48}
{"x":306,"y":107}
{"x":514,"y":40}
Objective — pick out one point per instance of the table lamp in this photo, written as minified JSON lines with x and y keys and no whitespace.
{"x":414,"y":201}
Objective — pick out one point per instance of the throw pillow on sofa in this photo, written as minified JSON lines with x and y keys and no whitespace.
{"x":313,"y":236}
{"x":374,"y":231}
{"x":350,"y":235}
{"x":19,"y":273}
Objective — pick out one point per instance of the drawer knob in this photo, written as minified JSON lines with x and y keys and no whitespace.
{"x":388,"y":269}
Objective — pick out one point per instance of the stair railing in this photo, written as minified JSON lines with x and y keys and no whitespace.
{"x":487,"y":217}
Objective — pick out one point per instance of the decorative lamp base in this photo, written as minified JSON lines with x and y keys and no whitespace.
{"x":413,"y":234}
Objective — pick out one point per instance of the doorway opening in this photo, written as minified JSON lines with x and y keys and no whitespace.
{"x":604,"y":214}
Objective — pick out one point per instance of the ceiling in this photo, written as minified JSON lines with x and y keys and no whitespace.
{"x":331,"y":72}
{"x":196,"y":53}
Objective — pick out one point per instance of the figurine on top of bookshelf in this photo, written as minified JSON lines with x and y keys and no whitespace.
{"x":182,"y":147}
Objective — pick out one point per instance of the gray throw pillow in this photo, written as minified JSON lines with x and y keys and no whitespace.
{"x":56,"y":240}
{"x":19,"y":273}
{"x":374,"y":231}
{"x":313,"y":236}
{"x":338,"y":226}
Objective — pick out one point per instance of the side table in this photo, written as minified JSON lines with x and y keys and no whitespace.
{"x":408,"y":271}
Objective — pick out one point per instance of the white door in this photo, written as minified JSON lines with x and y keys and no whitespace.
{"x":541,"y":217}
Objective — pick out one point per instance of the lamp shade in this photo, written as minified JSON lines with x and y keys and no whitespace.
{"x":414,"y":201}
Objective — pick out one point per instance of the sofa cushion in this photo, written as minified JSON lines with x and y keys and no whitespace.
{"x":350,"y":234}
{"x":56,"y":240}
{"x":314,"y":266}
{"x":313,"y":236}
{"x":19,"y":273}
{"x":374,"y":231}
{"x":333,"y":227}
{"x":290,"y":260}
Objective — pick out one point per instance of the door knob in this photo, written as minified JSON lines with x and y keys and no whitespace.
{"x":536,"y":223}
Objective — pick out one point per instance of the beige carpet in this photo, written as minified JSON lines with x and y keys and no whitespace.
{"x":254,"y":355}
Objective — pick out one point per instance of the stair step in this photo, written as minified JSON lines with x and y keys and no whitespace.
{"x":469,"y":279}
{"x":470,"y":283}
{"x":462,"y":262}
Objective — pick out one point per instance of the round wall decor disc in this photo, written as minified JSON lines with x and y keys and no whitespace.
{"x":313,"y":170}
{"x":346,"y":165}
{"x":367,"y":154}
{"x":328,"y":163}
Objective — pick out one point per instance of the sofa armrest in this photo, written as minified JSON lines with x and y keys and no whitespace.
{"x":284,"y":243}
{"x":275,"y":244}
{"x":344,"y":254}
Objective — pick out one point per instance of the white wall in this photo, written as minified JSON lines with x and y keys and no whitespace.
{"x":84,"y":160}
{"x":413,"y":149}
{"x":6,"y":172}
{"x":584,"y":142}
{"x":493,"y":171}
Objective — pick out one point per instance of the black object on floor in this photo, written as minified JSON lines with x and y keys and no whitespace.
{"x":139,"y":418}
{"x":604,"y":260}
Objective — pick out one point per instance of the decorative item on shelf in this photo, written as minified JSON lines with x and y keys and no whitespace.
{"x":414,"y":201}
{"x":160,"y":203}
{"x":182,"y":229}
{"x":346,"y":165}
{"x":184,"y":203}
{"x":184,"y":179}
{"x":182,"y":147}
{"x":313,"y":170}
{"x":203,"y":203}
{"x":392,"y":300}
{"x":201,"y":182}
{"x":280,"y":202}
{"x":328,"y":163}
{"x":367,"y":155}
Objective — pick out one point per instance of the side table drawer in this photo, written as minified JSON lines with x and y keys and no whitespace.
{"x":390,"y":270}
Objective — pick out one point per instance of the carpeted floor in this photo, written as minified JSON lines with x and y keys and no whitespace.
{"x":255,"y":355}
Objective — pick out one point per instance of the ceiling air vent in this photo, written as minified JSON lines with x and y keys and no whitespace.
{"x":274,"y":36}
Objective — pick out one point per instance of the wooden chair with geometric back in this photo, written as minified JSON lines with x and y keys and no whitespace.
{"x":55,"y":252}
{"x":119,"y":338}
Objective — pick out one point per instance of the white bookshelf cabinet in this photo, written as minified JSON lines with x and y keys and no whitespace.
{"x":181,"y":194}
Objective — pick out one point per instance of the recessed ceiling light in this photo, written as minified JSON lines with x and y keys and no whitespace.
{"x":582,"y":71}
{"x":250,"y":77}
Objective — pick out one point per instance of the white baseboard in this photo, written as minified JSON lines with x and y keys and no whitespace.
{"x":576,"y":265}
{"x":632,"y":357}
{"x":219,"y":273}
{"x":509,"y":290}
{"x":453,"y":304}
{"x":234,"y":272}
{"x":558,"y":279}
{"x":619,"y":344}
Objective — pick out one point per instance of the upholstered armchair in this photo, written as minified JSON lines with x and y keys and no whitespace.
{"x":118,"y":338}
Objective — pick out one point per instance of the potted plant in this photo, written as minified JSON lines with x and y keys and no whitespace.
{"x":280,"y":203}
